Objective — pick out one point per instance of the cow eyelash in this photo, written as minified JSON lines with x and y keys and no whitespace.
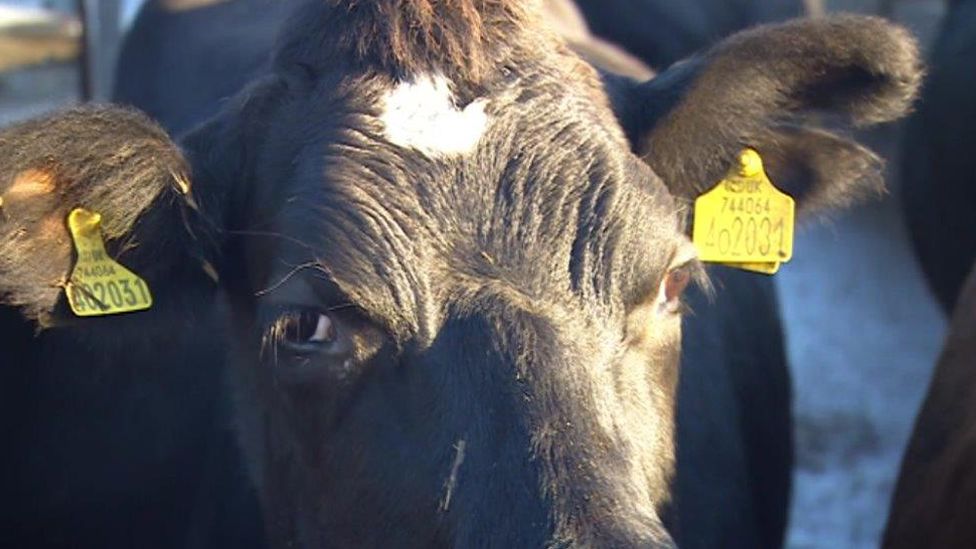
{"x":303,"y":330}
{"x":688,"y":274}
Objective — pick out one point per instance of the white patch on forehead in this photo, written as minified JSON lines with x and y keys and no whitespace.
{"x":423,"y":115}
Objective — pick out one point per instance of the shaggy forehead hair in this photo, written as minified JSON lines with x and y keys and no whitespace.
{"x":406,"y":37}
{"x":543,"y":153}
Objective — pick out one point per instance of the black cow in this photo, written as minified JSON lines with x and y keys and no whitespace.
{"x":748,"y":374}
{"x":180,"y":81}
{"x":178,"y":65}
{"x":662,"y":32}
{"x":934,"y":504}
{"x":116,"y":432}
{"x":224,"y":44}
{"x":938,"y":163}
{"x":446,"y":341}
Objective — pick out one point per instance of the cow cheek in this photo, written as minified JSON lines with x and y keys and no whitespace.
{"x":654,"y":340}
{"x":246,"y":382}
{"x":649,"y":378}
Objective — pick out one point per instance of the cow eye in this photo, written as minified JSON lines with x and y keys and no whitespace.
{"x":305,"y":329}
{"x":675,"y":282}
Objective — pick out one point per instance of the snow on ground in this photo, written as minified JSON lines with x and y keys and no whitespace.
{"x":863,"y":335}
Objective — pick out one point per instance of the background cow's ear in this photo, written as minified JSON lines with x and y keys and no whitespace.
{"x":113,"y":161}
{"x":764,"y":88}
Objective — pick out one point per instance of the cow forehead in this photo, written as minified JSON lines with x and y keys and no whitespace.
{"x":423,"y":114}
{"x":412,"y":186}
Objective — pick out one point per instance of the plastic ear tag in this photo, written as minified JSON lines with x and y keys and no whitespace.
{"x":764,"y":268}
{"x":745,"y":221}
{"x":99,"y":285}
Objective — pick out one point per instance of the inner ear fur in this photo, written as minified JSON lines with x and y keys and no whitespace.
{"x":767,"y":88}
{"x":110,"y":160}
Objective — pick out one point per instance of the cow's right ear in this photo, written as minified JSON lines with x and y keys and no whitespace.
{"x":112,"y":161}
{"x":758,"y":89}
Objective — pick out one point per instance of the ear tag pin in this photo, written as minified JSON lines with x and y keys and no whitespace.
{"x":99,"y":285}
{"x":745,"y":221}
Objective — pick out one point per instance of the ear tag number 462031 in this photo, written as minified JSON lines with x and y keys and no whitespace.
{"x":99,"y":285}
{"x":745,"y":221}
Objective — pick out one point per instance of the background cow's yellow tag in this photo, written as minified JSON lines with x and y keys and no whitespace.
{"x":99,"y":285}
{"x":745,"y":221}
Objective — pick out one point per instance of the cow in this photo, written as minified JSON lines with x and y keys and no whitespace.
{"x":749,"y":374}
{"x":933,"y":503}
{"x":937,"y":165}
{"x":679,"y":28}
{"x":181,"y":82}
{"x":443,"y":262}
{"x":116,"y":433}
{"x":172,"y":63}
{"x":174,"y":83}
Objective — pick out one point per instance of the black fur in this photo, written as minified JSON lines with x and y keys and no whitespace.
{"x":499,"y":373}
{"x":662,"y":32}
{"x":932,"y":504}
{"x":937,"y":161}
{"x":734,"y":427}
{"x":176,"y":67}
{"x":858,"y":68}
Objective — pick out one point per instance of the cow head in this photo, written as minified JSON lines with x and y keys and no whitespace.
{"x":450,"y":277}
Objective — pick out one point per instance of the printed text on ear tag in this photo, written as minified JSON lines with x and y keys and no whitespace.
{"x":99,"y":285}
{"x":745,"y":221}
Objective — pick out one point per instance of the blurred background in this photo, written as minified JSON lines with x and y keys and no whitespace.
{"x":863,"y":329}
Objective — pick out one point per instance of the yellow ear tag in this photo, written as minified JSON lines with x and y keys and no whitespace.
{"x":99,"y":285}
{"x":764,"y":268}
{"x":745,"y":221}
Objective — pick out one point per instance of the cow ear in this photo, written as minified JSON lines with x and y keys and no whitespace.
{"x":112,"y":161}
{"x":765,"y":89}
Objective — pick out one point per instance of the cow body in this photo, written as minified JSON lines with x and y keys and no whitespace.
{"x":474,"y":340}
{"x":933,"y":501}
{"x":937,"y":163}
{"x":734,"y":419}
{"x":122,"y":440}
{"x":661,"y":32}
{"x":165,"y":66}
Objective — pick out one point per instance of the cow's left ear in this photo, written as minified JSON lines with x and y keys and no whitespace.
{"x":112,"y":161}
{"x":764,"y":89}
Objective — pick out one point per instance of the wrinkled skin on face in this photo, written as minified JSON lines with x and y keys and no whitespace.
{"x":470,"y":340}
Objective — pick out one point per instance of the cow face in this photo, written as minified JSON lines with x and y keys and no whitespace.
{"x":461,"y":310}
{"x":451,"y":286}
{"x":404,"y":312}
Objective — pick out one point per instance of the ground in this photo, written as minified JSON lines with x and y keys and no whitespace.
{"x":863,"y":333}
